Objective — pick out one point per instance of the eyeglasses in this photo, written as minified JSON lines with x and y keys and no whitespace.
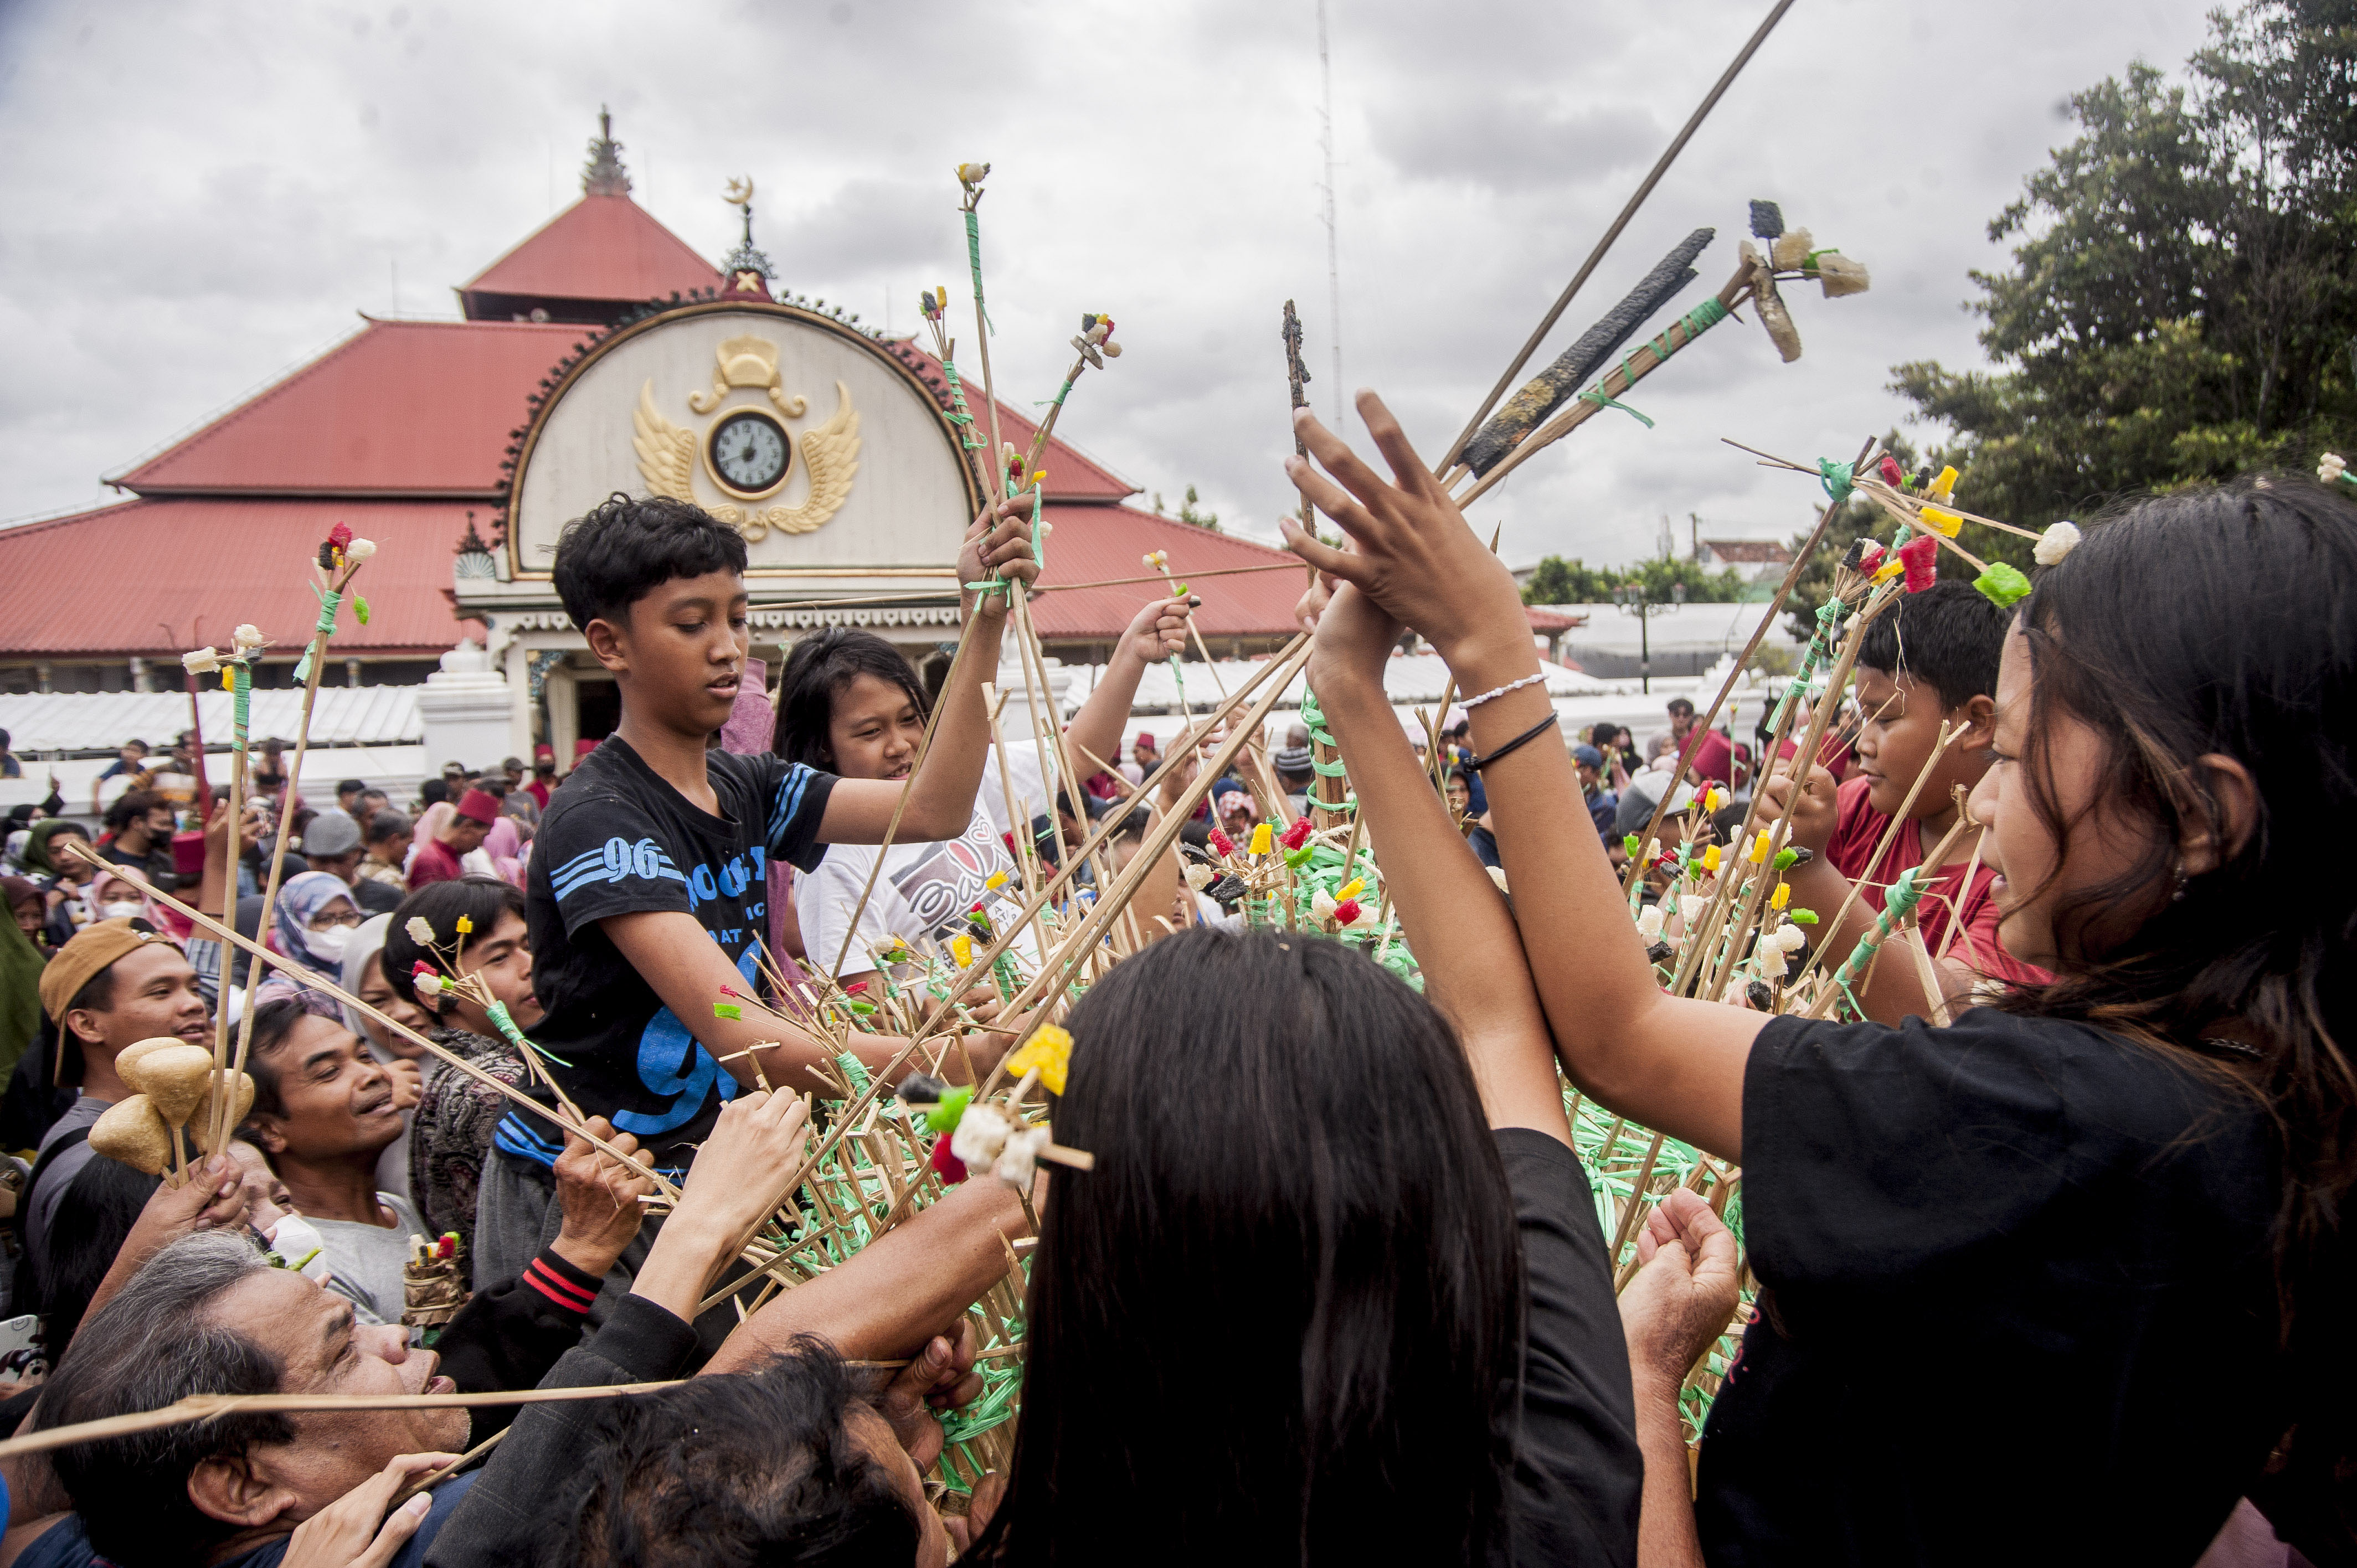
{"x":326,"y":919}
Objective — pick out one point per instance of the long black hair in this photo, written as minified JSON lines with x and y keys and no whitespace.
{"x":1294,"y":1265}
{"x":93,"y":1218}
{"x":2224,"y":621}
{"x":819,"y":670}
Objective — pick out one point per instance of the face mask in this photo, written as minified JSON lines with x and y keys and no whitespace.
{"x":328,"y":946}
{"x":299,"y":1247}
{"x":117,"y":911}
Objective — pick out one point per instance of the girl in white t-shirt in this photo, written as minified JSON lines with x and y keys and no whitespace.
{"x":850,"y":704}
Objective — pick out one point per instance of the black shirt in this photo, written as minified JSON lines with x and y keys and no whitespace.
{"x":2017,"y":1303}
{"x":1578,"y":1475}
{"x":619,"y":840}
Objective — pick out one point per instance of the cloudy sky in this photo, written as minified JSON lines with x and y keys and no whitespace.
{"x":198,"y":198}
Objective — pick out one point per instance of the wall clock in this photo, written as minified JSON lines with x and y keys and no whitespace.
{"x":749,"y":454}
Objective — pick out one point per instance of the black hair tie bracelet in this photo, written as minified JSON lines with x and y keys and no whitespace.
{"x":1475,"y":764}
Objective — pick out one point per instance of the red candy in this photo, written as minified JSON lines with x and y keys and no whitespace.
{"x":1922,"y":557}
{"x":1870,"y":558}
{"x":339,"y":536}
{"x":951,"y":1168}
{"x":422,"y":967}
{"x":1346,"y":911}
{"x":1221,"y":842}
{"x":1296,"y":836}
{"x":1891,"y":471}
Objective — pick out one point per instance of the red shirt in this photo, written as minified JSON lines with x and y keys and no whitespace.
{"x":539,"y":792}
{"x":434,"y":862}
{"x":1860,"y":827}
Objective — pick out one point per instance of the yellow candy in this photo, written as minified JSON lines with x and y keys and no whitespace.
{"x":1350,"y":890}
{"x":1051,"y":1051}
{"x":995,"y":880}
{"x":1944,"y":487}
{"x":1710,"y":856}
{"x":1943,"y":523}
{"x":1890,"y":569}
{"x":1712,"y":800}
{"x":1759,"y":850}
{"x":465,"y":925}
{"x":962,"y":949}
{"x":1263,"y":837}
{"x":1782,"y":896}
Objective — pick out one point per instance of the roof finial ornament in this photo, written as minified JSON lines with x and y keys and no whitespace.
{"x":604,"y":175}
{"x":746,"y":267}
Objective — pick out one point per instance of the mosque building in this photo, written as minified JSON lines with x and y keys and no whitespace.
{"x":600,"y":354}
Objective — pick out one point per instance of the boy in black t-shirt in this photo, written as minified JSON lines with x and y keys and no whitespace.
{"x":649,"y":874}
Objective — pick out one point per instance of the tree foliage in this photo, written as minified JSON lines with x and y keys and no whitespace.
{"x":2182,"y":305}
{"x":1555,"y":581}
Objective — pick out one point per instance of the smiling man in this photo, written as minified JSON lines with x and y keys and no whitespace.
{"x":323,"y":1112}
{"x":227,"y":1492}
{"x":116,"y":983}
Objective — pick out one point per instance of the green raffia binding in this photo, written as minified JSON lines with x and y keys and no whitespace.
{"x":1839,"y":478}
{"x":330,"y":602}
{"x":1819,"y":648}
{"x":498,"y":1014}
{"x":1897,"y":905}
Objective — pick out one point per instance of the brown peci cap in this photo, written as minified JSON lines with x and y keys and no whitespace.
{"x":94,"y":949}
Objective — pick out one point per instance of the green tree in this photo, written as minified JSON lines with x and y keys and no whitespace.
{"x":2182,"y":305}
{"x":1555,"y":581}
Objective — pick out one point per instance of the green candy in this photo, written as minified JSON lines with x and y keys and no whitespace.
{"x":1785,"y":857}
{"x":1801,"y":916}
{"x":2002,"y":585}
{"x":945,"y":1116}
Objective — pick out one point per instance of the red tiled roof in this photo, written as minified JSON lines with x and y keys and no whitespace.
{"x":415,"y":407}
{"x":1070,"y":476}
{"x":110,"y":581}
{"x":1547,"y":620}
{"x":1094,"y":544}
{"x":601,"y":247}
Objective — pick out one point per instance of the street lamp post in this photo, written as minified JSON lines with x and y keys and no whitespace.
{"x":1630,"y":599}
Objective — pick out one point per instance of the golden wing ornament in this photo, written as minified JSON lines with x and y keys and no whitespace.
{"x":666,"y":451}
{"x":830,"y":456}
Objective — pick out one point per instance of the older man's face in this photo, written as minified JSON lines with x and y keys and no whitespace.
{"x":311,"y":1333}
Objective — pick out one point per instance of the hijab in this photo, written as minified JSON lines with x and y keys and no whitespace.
{"x":37,"y":844}
{"x":20,"y":988}
{"x":366,"y":942}
{"x":299,"y":899}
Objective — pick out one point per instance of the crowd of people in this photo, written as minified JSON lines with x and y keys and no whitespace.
{"x":2060,"y":1279}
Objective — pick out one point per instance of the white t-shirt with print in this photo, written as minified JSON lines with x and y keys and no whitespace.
{"x":927,"y":888}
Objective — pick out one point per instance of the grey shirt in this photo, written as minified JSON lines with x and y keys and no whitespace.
{"x":62,"y":1170}
{"x":367,"y":1260}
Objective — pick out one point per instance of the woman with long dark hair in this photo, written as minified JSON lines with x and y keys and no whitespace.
{"x":1336,"y":1291}
{"x":848,"y":704}
{"x":2065,"y":1278}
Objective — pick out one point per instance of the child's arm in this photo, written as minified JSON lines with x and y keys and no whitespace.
{"x":1451,"y":913}
{"x":942,"y":792}
{"x":1671,"y":1064}
{"x":677,"y":956}
{"x":1156,"y":632}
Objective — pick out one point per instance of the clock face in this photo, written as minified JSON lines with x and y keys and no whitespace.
{"x":749,"y":453}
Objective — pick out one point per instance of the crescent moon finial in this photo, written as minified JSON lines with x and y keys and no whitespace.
{"x":741,"y":191}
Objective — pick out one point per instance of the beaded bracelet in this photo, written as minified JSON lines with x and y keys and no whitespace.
{"x":1501,"y":691}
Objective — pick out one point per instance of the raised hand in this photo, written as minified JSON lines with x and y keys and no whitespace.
{"x":599,"y":1196}
{"x":1413,"y":554}
{"x":998,"y":540}
{"x":940,"y":1377}
{"x":1685,"y":1288}
{"x":1355,"y":639}
{"x":1157,"y":630}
